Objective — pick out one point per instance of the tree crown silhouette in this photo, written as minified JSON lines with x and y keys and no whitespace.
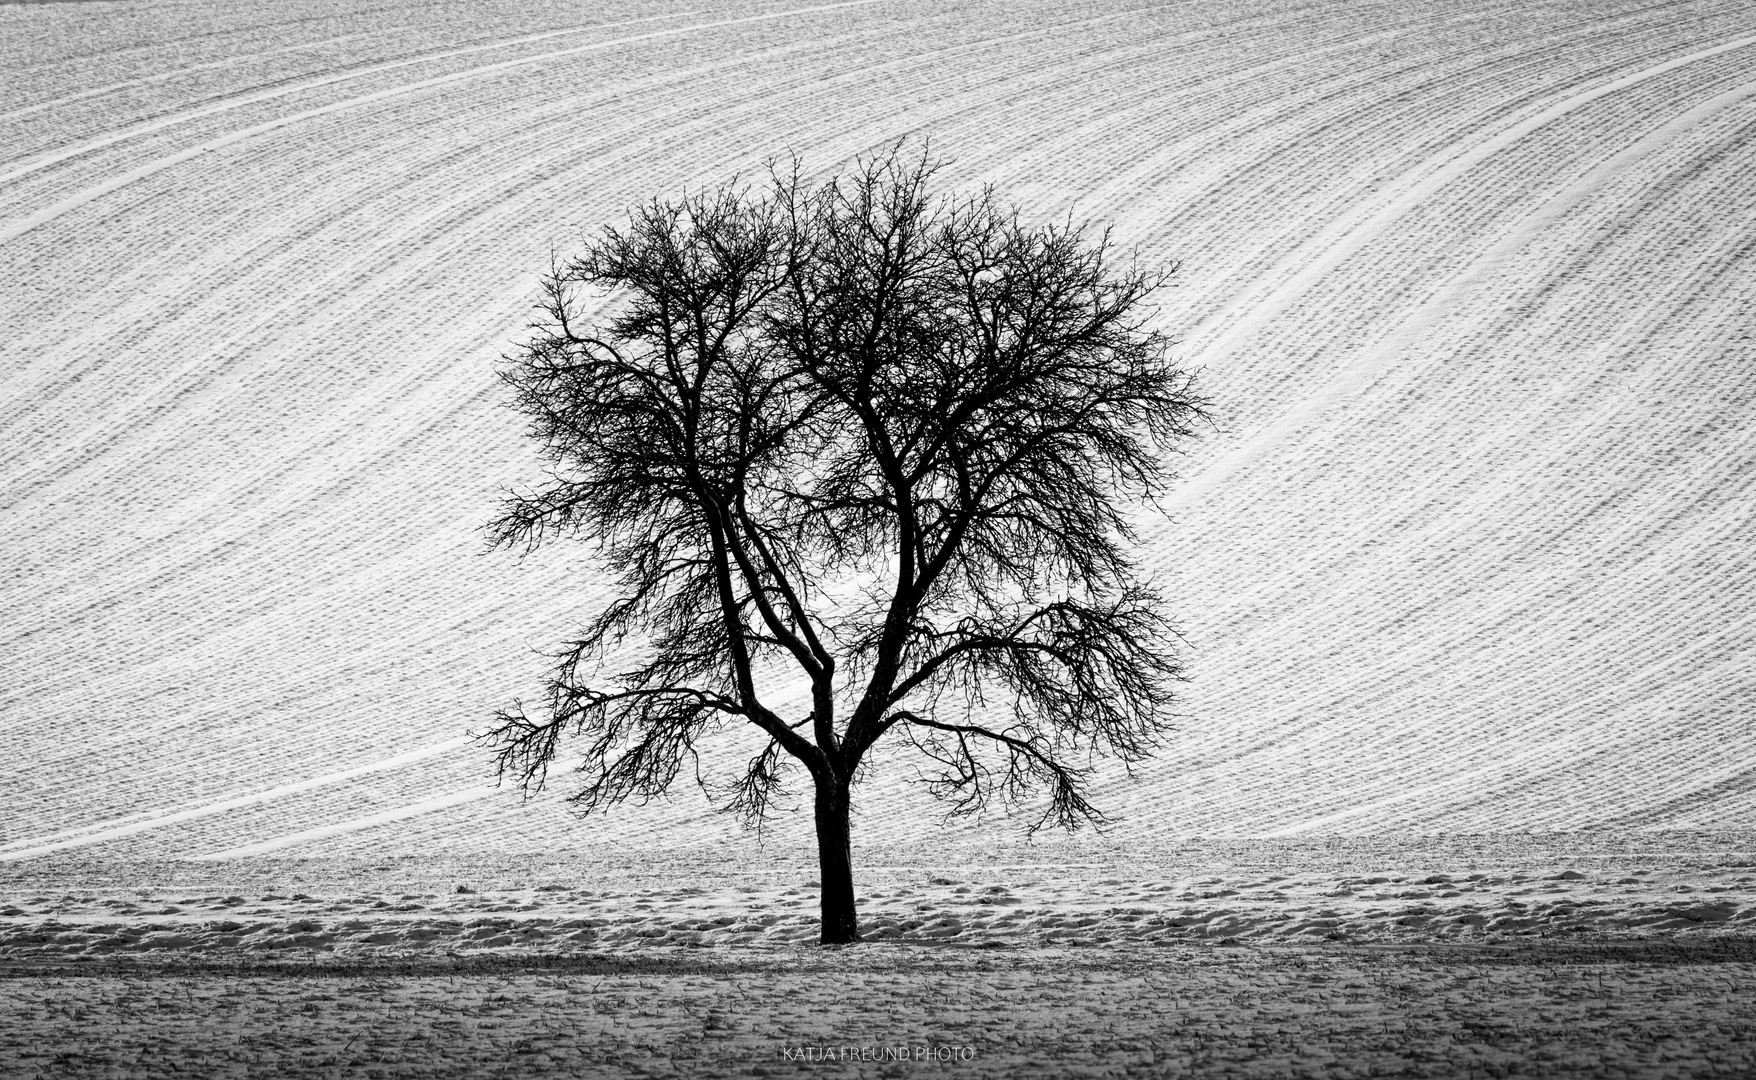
{"x":861,"y":447}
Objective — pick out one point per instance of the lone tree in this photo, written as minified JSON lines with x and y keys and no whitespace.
{"x":856,"y":447}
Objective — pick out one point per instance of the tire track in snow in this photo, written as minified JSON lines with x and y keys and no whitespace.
{"x":1484,"y":267}
{"x":1547,"y":755}
{"x":72,"y":202}
{"x":1515,"y":231}
{"x":1673,"y":664}
{"x":306,"y":836}
{"x":254,"y":97}
{"x":117,"y":828}
{"x":230,"y":61}
{"x":1344,"y":238}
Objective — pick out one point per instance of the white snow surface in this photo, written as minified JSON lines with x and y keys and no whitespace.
{"x":1470,"y":284}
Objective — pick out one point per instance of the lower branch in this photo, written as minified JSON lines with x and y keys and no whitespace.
{"x":1030,"y":762}
{"x":639,"y":739}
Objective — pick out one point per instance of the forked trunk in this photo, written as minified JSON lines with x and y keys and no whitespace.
{"x":835,"y":863}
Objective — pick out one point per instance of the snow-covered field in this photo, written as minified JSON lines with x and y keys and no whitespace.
{"x":1470,"y":283}
{"x":1466,"y":774}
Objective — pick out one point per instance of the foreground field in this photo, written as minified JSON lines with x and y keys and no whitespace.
{"x":1495,"y":956}
{"x":1284,"y":1011}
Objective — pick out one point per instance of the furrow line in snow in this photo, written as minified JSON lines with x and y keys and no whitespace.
{"x":1414,"y":327}
{"x":454,"y":214}
{"x":1301,"y":268}
{"x":230,"y":61}
{"x":72,"y":202}
{"x":112,"y":830}
{"x":1355,"y":231}
{"x":323,"y":832}
{"x":1550,"y":752}
{"x":254,"y":97}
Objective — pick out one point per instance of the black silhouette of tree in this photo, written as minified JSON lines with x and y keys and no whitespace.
{"x":858,"y":440}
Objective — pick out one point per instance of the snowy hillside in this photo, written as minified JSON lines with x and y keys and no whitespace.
{"x":1471,"y":284}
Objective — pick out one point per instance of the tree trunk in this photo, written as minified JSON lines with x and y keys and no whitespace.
{"x":835,"y":863}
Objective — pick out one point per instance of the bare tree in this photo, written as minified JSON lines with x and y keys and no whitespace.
{"x":865,"y":443}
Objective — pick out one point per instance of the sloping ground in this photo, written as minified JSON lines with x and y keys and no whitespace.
{"x":1470,"y":283}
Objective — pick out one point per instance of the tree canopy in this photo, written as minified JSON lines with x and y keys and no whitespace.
{"x":868,"y":442}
